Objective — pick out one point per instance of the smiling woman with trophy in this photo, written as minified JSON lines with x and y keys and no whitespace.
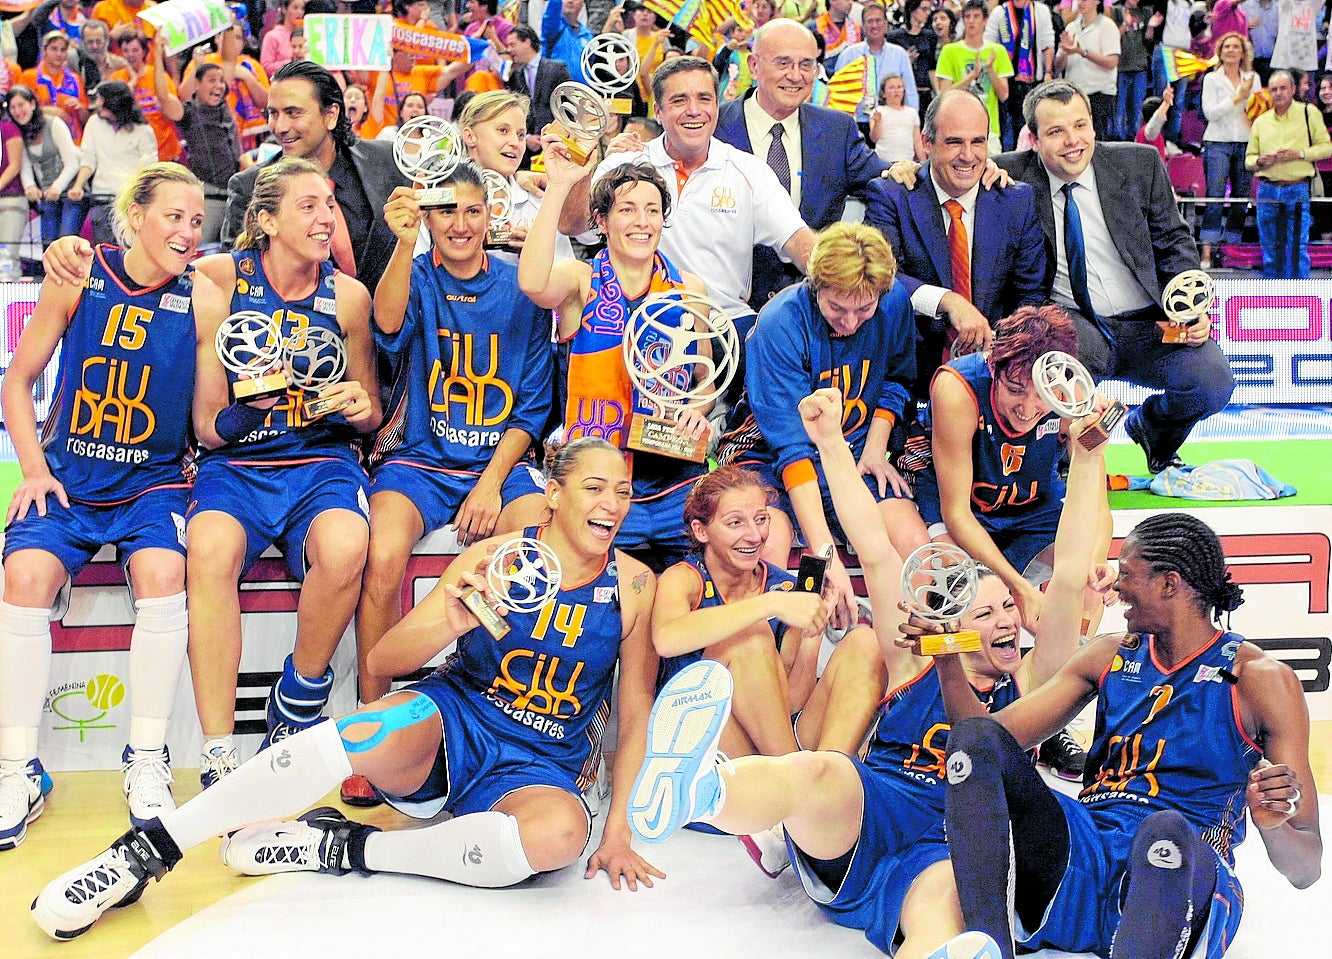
{"x":280,"y":466}
{"x":597,"y":306}
{"x":494,"y":128}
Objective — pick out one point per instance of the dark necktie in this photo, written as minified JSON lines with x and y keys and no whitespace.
{"x":1075,"y":249}
{"x":778,"y":160}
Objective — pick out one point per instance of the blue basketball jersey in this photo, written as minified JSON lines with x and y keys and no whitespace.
{"x":708,"y":595}
{"x":1170,"y":740}
{"x":119,"y":423}
{"x":910,"y":738}
{"x":1012,"y":473}
{"x":547,"y":682}
{"x":775,"y":579}
{"x":474,"y":358}
{"x":286,"y":435}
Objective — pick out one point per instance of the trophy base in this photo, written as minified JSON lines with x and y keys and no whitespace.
{"x":1096,"y":434}
{"x":622,"y":106}
{"x":653,"y":434}
{"x":433,"y":198}
{"x":260,"y":387}
{"x":945,"y":644}
{"x":497,"y":239}
{"x":494,"y":623}
{"x":1175,"y":333}
{"x":317,"y":406}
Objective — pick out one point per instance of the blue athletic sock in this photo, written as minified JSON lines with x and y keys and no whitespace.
{"x":1171,"y":877}
{"x":297,"y":699}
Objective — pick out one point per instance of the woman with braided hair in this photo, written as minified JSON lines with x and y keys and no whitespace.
{"x":1193,"y":725}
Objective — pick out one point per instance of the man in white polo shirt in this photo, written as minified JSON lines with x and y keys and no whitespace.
{"x":724,"y":202}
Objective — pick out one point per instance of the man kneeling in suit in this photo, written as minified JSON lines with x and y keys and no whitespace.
{"x":1110,"y":216}
{"x":968,"y":256}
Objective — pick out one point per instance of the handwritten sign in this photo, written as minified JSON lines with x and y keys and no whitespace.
{"x":353,"y":42}
{"x":184,"y":23}
{"x":350,"y":42}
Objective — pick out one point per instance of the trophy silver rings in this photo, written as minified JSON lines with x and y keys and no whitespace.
{"x":315,"y":358}
{"x":427,"y":149}
{"x":1068,"y":388}
{"x":499,"y":201}
{"x":681,"y":351}
{"x":1187,"y":297}
{"x":249,"y":346}
{"x":581,"y":118}
{"x":524,"y":575}
{"x":610,"y":65}
{"x":939,"y":584}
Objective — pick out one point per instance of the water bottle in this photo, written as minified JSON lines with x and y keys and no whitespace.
{"x":9,"y":268}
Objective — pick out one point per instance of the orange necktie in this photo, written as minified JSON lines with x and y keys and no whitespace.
{"x":959,"y":257}
{"x":343,"y":254}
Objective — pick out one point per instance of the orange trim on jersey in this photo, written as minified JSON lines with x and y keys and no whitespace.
{"x":104,"y":504}
{"x":1239,"y":721}
{"x":798,"y":474}
{"x":909,"y":683}
{"x":296,"y":462}
{"x":1151,"y":651}
{"x":961,"y":379}
{"x":436,"y":261}
{"x":889,"y":415}
{"x":435,"y":469}
{"x":115,"y":275}
{"x":656,"y":496}
{"x":698,"y":593}
{"x":572,"y":586}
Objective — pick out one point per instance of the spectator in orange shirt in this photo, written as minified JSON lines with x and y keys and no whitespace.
{"x":247,"y":83}
{"x":59,"y":88}
{"x":406,"y":76}
{"x":10,"y":74}
{"x":114,"y":13}
{"x":154,"y":90}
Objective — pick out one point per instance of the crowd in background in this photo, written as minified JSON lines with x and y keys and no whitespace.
{"x":90,"y":97}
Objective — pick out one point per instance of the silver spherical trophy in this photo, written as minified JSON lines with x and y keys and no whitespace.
{"x":315,"y":358}
{"x":1187,"y":297}
{"x":523,"y":575}
{"x":939,"y":585}
{"x":581,"y":118}
{"x":681,"y":351}
{"x":249,"y":346}
{"x":426,"y":150}
{"x":610,"y":65}
{"x":1067,"y":388}
{"x":499,"y":201}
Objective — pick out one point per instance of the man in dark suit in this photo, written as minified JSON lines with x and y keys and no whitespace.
{"x":308,"y":119}
{"x":534,"y":76}
{"x":816,"y":141}
{"x":967,"y":256}
{"x":1125,"y":239}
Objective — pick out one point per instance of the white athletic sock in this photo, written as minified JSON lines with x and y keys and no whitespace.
{"x":157,"y":655}
{"x":25,"y":673}
{"x":283,"y":780}
{"x":480,"y":849}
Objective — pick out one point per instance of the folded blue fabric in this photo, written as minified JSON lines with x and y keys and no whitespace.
{"x":1221,"y":480}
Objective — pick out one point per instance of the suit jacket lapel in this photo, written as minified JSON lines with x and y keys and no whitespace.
{"x":736,"y":117}
{"x":1039,"y":181}
{"x":928,"y":218}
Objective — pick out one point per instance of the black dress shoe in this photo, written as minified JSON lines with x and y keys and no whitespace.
{"x":1156,"y":463}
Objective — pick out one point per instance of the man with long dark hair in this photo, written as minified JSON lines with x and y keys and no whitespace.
{"x":309,"y":120}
